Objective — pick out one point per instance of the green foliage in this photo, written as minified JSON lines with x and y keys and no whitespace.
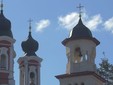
{"x":106,"y":71}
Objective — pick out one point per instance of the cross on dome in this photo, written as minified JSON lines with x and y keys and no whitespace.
{"x":30,"y":46}
{"x":1,"y":5}
{"x":80,"y":9}
{"x":105,"y":58}
{"x":30,"y":21}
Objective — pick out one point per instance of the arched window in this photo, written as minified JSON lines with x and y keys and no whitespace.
{"x":3,"y":62}
{"x":32,"y":76}
{"x":77,"y":55}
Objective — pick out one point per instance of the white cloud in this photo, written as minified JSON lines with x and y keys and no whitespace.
{"x":70,"y":20}
{"x":108,"y":25}
{"x":94,"y":22}
{"x":42,"y":24}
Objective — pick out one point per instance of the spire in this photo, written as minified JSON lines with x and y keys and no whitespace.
{"x":80,"y":9}
{"x":105,"y":58}
{"x":30,"y":27}
{"x":1,"y":6}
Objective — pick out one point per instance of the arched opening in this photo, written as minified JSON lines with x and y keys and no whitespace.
{"x":77,"y":55}
{"x":32,"y":77}
{"x":3,"y":61}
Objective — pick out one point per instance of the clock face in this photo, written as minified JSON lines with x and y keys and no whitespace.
{"x":32,"y":75}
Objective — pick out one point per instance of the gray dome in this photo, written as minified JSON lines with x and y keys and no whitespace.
{"x":30,"y":46}
{"x":5,"y":26}
{"x":80,"y":31}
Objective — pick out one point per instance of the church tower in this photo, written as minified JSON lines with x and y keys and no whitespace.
{"x":30,"y":63}
{"x":81,"y":54}
{"x":7,"y":53}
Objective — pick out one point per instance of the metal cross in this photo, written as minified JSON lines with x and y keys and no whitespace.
{"x":1,"y":5}
{"x":105,"y":59}
{"x":80,"y":9}
{"x":30,"y":20}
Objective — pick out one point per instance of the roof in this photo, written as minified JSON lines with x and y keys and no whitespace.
{"x":30,"y":46}
{"x":80,"y":31}
{"x":5,"y":26}
{"x":85,"y":73}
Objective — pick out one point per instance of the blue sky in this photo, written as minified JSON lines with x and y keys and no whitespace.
{"x":52,"y":22}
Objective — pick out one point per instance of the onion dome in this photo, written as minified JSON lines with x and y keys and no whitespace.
{"x":30,"y":46}
{"x":5,"y":25}
{"x":80,"y":31}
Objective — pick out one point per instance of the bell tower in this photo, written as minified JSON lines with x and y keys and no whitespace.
{"x":80,"y":49}
{"x":30,"y":63}
{"x":7,"y":53}
{"x":81,"y":54}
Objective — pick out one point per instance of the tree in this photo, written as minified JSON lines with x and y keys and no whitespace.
{"x":106,"y":71}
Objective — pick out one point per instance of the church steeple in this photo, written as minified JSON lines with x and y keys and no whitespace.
{"x":7,"y":53}
{"x":81,"y":38}
{"x":30,"y":63}
{"x":81,"y":54}
{"x":30,"y":46}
